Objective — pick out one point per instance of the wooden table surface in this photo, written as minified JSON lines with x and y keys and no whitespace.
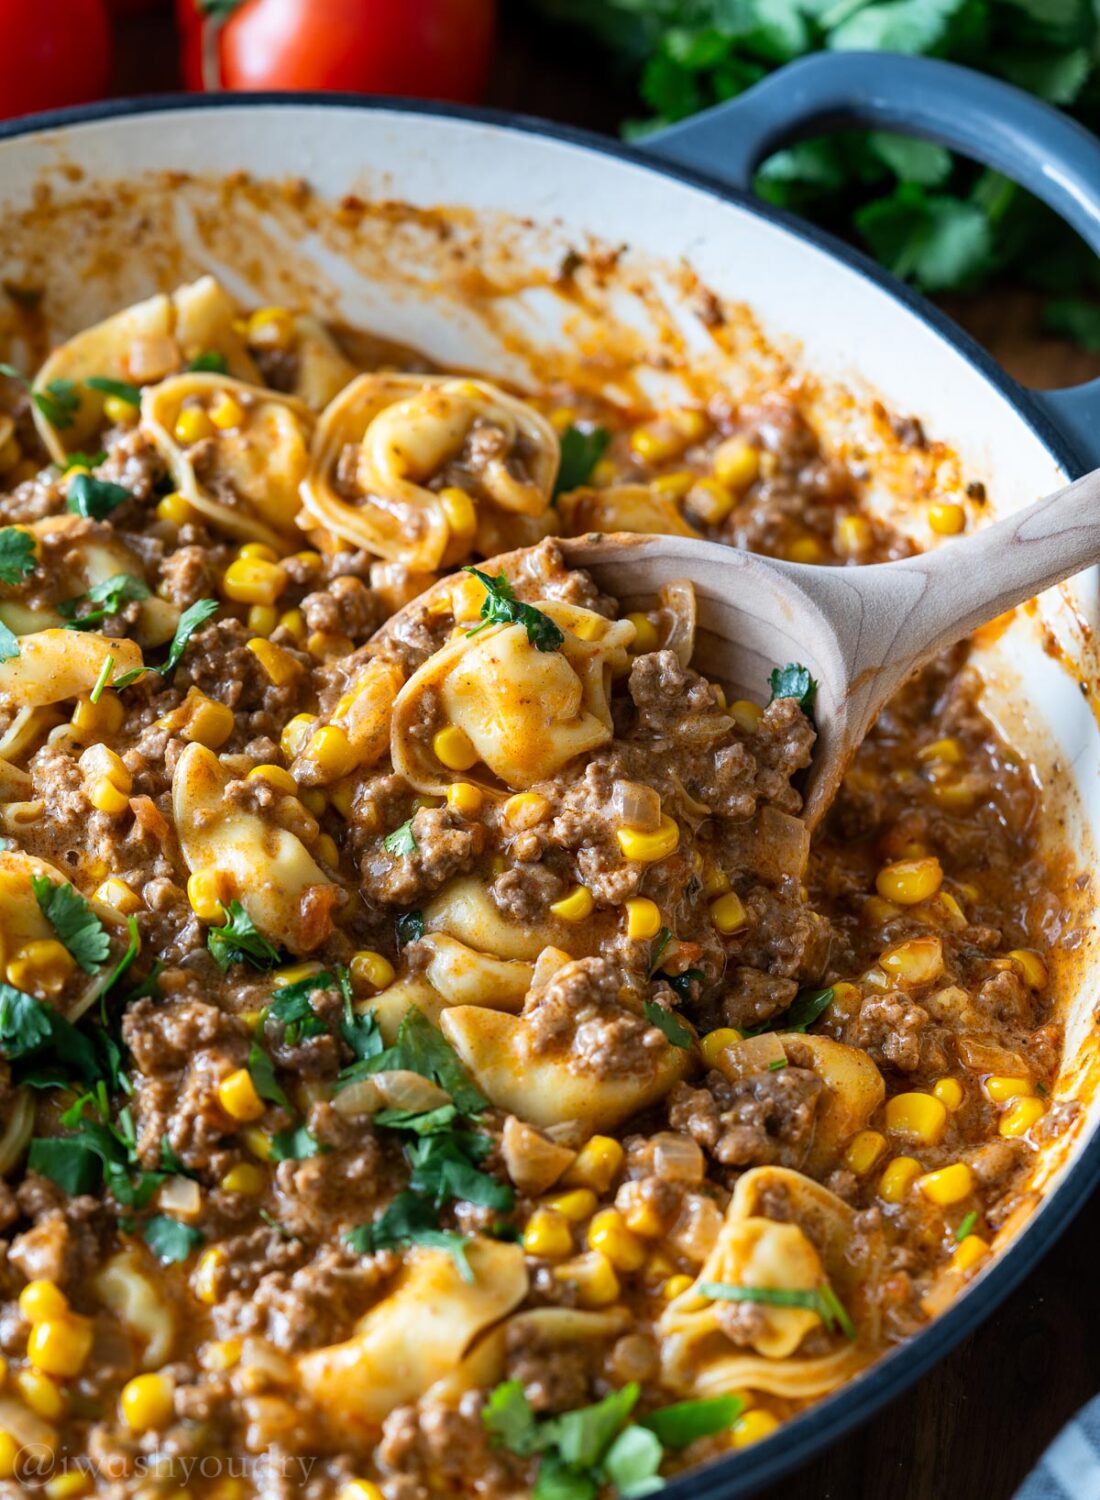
{"x":975,"y":1425}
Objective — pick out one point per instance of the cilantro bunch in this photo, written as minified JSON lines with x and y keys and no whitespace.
{"x":938,"y":221}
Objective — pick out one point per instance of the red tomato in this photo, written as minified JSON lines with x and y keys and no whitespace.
{"x":52,"y":53}
{"x":430,"y":49}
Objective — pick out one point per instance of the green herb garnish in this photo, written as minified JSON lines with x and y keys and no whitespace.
{"x":239,"y":940}
{"x":261,"y":1070}
{"x":410,"y":1220}
{"x":18,"y":555}
{"x":819,"y":1299}
{"x":78,"y":460}
{"x":195,"y":615}
{"x":9,"y":643}
{"x":410,"y":928}
{"x":807,"y":1007}
{"x":668,"y":1022}
{"x":58,"y":402}
{"x":94,"y":498}
{"x":687,"y":1421}
{"x":966,"y":1226}
{"x":794,"y":681}
{"x":581,"y":450}
{"x":106,"y":598}
{"x":501,"y":607}
{"x":295,"y":1144}
{"x":121,"y":389}
{"x":71,"y":916}
{"x":169,"y":1240}
{"x":209,"y":362}
{"x":402,"y":840}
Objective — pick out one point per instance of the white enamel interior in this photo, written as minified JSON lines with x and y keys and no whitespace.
{"x":849,"y":328}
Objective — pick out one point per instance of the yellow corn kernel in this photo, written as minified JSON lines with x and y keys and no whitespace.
{"x":608,"y":1232}
{"x":60,"y":1346}
{"x":279,"y":665}
{"x":226,"y":412}
{"x":604,"y":473}
{"x":804,"y":549}
{"x":210,"y":723}
{"x":204,"y":1282}
{"x":645,"y":635}
{"x":327,"y":851}
{"x":562,"y":418}
{"x":918,"y":961}
{"x":123,"y":413}
{"x":42,"y":966}
{"x":717,"y":883}
{"x":69,"y":1486}
{"x":147,"y":1402}
{"x":42,"y":1300}
{"x":525,"y":810}
{"x":453,"y":748}
{"x":293,"y":621}
{"x":313,"y":799}
{"x":1020,"y":1117}
{"x":643,"y":918}
{"x":752,"y":1427}
{"x":727,"y":913}
{"x":270,"y":328}
{"x":97,"y":761}
{"x":910,"y":880}
{"x":175,"y":509}
{"x":949,"y":1091}
{"x":956,"y":796}
{"x":574,"y":907}
{"x":922,"y":1117}
{"x":326,"y":645}
{"x":548,"y":1235}
{"x":117,"y":893}
{"x":360,"y":1489}
{"x":257,"y":1142}
{"x":464,"y":798}
{"x":10,"y":454}
{"x":674,"y":486}
{"x":648,"y":847}
{"x":593,"y":1278}
{"x":640,"y":1214}
{"x":192,"y":425}
{"x":675,"y":1286}
{"x":897,"y":1178}
{"x":43,"y":1395}
{"x":864,"y":1151}
{"x":658,"y":1268}
{"x":949,"y":751}
{"x":262,"y":618}
{"x":972,"y":1250}
{"x":946,"y":518}
{"x":576,"y":1205}
{"x":947,"y":1185}
{"x":238,"y":1097}
{"x":220,"y":1355}
{"x":276,"y":777}
{"x":690,"y":422}
{"x":879,"y":912}
{"x":715,"y":1043}
{"x":1001,"y":1089}
{"x":854,"y":535}
{"x":459,"y":510}
{"x":204,"y":894}
{"x":370,"y":971}
{"x":746,"y":715}
{"x":105,"y":797}
{"x":342,"y":798}
{"x":331,"y":752}
{"x":736,"y":463}
{"x":254,"y":580}
{"x":1031,"y":966}
{"x":656,"y":447}
{"x":710,"y":501}
{"x":597,"y":1164}
{"x":244,"y":1178}
{"x":102,"y":717}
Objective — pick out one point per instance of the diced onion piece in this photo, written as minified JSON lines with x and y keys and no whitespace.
{"x":677,"y":620}
{"x":677,"y":1158}
{"x":784,"y":845}
{"x":756,"y":1054}
{"x":532,"y":1162}
{"x":180,"y":1195}
{"x":637,"y":806}
{"x":981,"y":1054}
{"x":152,"y":358}
{"x":397,"y":1088}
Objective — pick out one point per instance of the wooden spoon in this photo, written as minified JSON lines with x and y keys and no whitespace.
{"x":860,"y":631}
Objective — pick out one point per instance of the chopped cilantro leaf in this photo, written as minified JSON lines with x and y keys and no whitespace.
{"x":78,"y":460}
{"x":195,"y":615}
{"x":501,"y":607}
{"x":509,"y":1419}
{"x":411,"y":1220}
{"x":295,"y":1144}
{"x":668,"y":1022}
{"x":290,"y":1006}
{"x":262,"y":1072}
{"x":240,"y":941}
{"x":121,"y":389}
{"x":94,"y":498}
{"x":444,"y":1166}
{"x":581,"y":450}
{"x":73,"y":920}
{"x":106,"y":598}
{"x":169,"y":1240}
{"x":687,"y":1421}
{"x":9,"y":644}
{"x":24,"y":1022}
{"x":794,"y":681}
{"x":658,"y":946}
{"x":209,"y":362}
{"x":58,"y":402}
{"x":18,"y":554}
{"x":71,"y":1163}
{"x":419,"y":1048}
{"x":410,"y":928}
{"x":806,"y":1007}
{"x":819,"y":1299}
{"x":633,"y":1462}
{"x":401,"y":841}
{"x":682,"y":982}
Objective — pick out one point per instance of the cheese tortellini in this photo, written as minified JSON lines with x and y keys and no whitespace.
{"x":622,"y":507}
{"x":453,"y":975}
{"x":526,"y":712}
{"x":54,"y":665}
{"x":236,"y":452}
{"x":417,"y":1335}
{"x":138,"y":346}
{"x":413,"y":467}
{"x":265,"y":867}
{"x":809,"y":1248}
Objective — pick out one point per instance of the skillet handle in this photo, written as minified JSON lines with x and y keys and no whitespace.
{"x":1032,"y":143}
